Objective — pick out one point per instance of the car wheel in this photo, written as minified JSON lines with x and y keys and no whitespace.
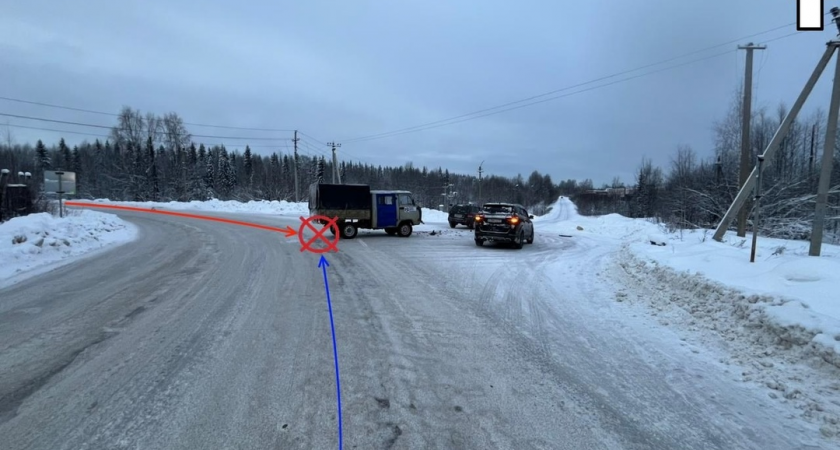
{"x":404,"y":230}
{"x":471,"y":225}
{"x":479,"y":242}
{"x":520,"y":240}
{"x":349,"y":231}
{"x":531,"y":239}
{"x":452,"y":224}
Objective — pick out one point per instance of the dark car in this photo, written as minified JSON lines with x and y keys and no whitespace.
{"x":463,"y":215}
{"x":506,"y":223}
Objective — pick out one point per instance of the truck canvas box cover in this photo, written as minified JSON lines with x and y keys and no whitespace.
{"x":339,"y":197}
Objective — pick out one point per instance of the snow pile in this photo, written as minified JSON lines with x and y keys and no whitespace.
{"x":41,"y":241}
{"x":435,"y":216}
{"x":281,"y":207}
{"x":802,"y":306}
{"x":804,"y":309}
{"x":564,"y":219}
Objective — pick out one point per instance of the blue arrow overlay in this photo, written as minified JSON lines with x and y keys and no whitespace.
{"x":323,"y":264}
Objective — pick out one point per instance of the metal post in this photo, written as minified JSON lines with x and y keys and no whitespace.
{"x":59,"y":192}
{"x":479,"y":183}
{"x":783,"y":130}
{"x":746,"y":116}
{"x":3,"y":174}
{"x":826,"y":163}
{"x":756,"y":217}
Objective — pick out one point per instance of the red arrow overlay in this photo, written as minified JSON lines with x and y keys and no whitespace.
{"x":288,"y":231}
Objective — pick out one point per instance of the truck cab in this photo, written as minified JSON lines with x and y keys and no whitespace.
{"x":395,"y":212}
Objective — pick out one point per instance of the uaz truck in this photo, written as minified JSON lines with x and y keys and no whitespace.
{"x":357,"y":206}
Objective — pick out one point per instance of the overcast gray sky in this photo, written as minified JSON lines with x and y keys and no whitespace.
{"x":343,"y":70}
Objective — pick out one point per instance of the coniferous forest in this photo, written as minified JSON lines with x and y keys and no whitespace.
{"x":152,"y":158}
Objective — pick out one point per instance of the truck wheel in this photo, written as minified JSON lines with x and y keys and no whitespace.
{"x":404,"y":230}
{"x":391,"y":231}
{"x":349,"y":230}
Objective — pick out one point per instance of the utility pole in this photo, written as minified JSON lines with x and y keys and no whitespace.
{"x":297,"y":189}
{"x":745,"y":131}
{"x":335,"y":174}
{"x":479,"y":182}
{"x":811,"y":159}
{"x":827,"y":160}
{"x":446,"y":187}
{"x":781,"y":132}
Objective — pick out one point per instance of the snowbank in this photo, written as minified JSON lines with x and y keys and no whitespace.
{"x":777,"y":319}
{"x":435,"y":216}
{"x":563,"y":218}
{"x":802,"y":306}
{"x":255,"y":206}
{"x":39,"y":242}
{"x":799,"y":298}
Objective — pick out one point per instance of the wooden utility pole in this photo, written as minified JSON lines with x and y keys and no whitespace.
{"x":746,"y":111}
{"x":781,"y":132}
{"x":297,"y":189}
{"x":335,"y":174}
{"x":826,"y":164}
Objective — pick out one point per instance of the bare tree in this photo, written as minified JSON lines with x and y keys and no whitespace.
{"x":130,"y":129}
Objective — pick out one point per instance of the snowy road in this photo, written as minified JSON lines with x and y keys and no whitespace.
{"x":207,"y":335}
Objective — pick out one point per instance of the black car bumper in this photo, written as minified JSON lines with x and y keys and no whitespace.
{"x":495,"y":236}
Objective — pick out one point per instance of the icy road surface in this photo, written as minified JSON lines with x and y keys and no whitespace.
{"x":202,"y":335}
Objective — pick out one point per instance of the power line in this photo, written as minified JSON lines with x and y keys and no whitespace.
{"x":105,"y":136}
{"x":90,"y":111}
{"x":41,"y":119}
{"x":478,"y":114}
{"x":310,"y":137}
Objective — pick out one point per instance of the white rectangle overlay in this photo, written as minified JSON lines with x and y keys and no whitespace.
{"x":809,"y":14}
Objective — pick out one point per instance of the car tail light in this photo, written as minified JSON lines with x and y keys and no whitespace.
{"x":513,"y":220}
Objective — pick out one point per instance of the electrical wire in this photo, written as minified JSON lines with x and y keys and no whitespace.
{"x":478,"y":114}
{"x":41,"y":119}
{"x":29,"y":102}
{"x":105,"y":136}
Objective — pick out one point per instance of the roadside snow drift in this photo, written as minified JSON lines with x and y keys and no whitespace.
{"x":799,"y":291}
{"x":777,"y":318}
{"x":281,"y":207}
{"x":42,"y":241}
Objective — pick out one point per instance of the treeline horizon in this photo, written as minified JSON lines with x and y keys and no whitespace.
{"x":155,"y":158}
